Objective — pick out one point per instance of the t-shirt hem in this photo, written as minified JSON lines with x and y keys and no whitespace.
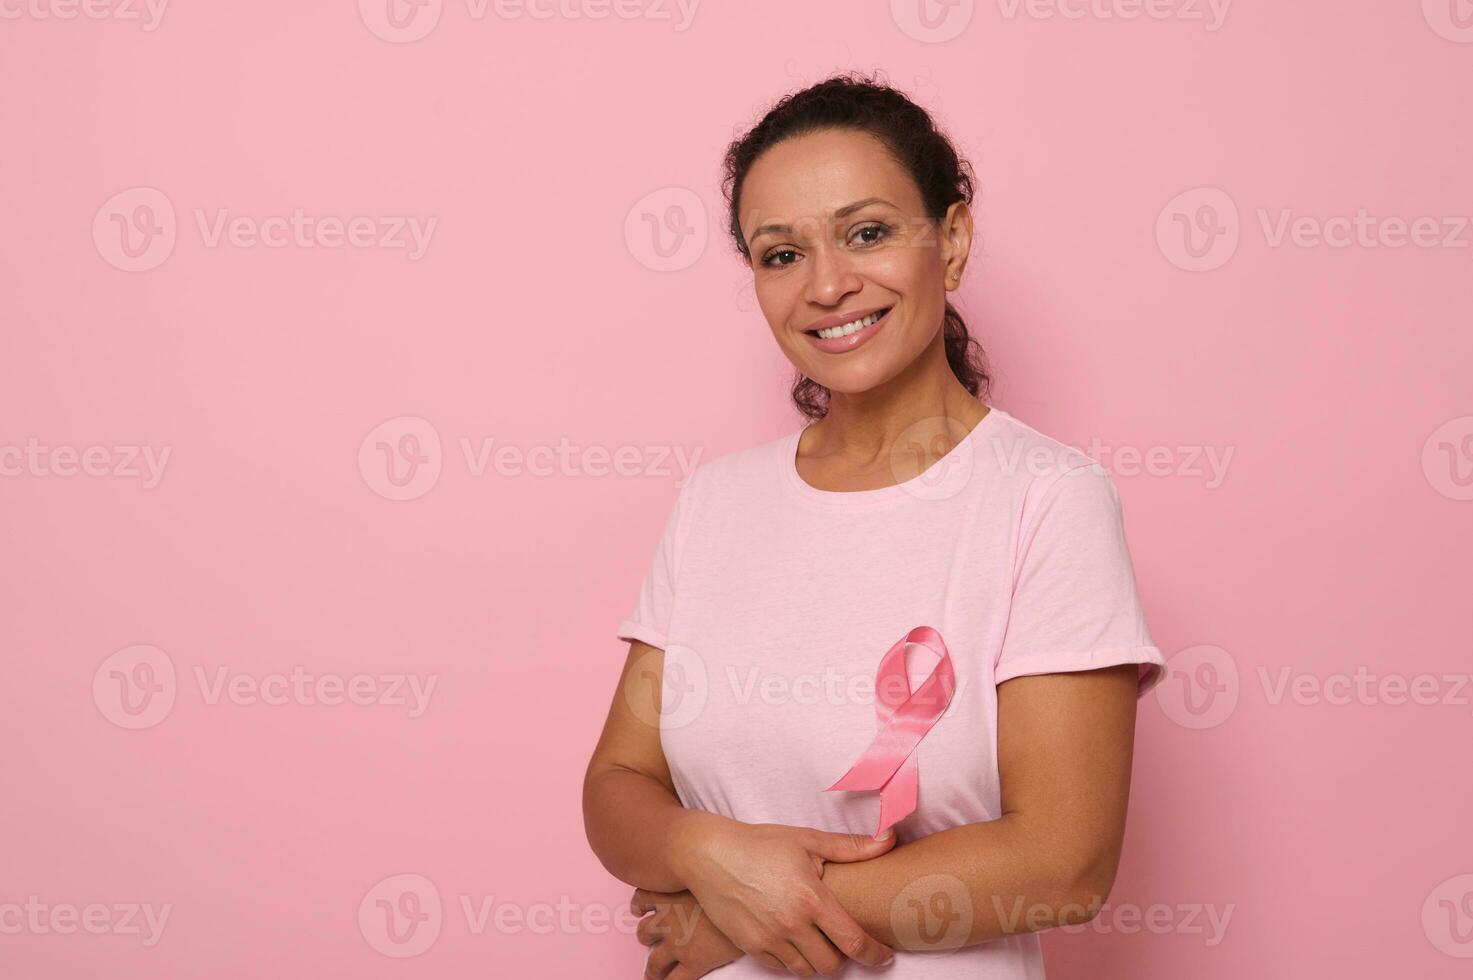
{"x":634,"y":630}
{"x":1152,"y":664}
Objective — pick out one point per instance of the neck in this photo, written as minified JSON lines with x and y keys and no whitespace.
{"x":924,"y":398}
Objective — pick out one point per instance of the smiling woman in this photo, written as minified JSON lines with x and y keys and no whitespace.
{"x":971,"y":620}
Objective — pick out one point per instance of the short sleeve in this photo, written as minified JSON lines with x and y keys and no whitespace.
{"x":1075,"y":604}
{"x":649,"y":621}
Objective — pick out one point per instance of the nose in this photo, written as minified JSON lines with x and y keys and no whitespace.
{"x":831,"y":276}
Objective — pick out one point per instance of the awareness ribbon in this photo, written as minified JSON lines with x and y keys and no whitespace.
{"x":903,"y":717}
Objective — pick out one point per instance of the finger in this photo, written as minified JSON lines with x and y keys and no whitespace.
{"x":684,"y":971}
{"x":792,"y":960}
{"x":645,"y":900}
{"x":818,"y":951}
{"x":640,"y":903}
{"x":660,"y":962}
{"x":847,"y":847}
{"x":650,"y":930}
{"x":848,"y":936}
{"x":680,"y":923}
{"x":769,"y":961}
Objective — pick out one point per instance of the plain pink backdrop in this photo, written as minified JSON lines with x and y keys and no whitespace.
{"x":543,"y":309}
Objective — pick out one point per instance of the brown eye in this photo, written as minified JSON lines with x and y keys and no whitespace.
{"x":767,"y":259}
{"x":880,"y":229}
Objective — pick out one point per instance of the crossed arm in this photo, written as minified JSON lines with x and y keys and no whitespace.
{"x":803,"y":900}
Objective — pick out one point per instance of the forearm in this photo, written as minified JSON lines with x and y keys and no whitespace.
{"x":968,"y":885}
{"x":637,"y":828}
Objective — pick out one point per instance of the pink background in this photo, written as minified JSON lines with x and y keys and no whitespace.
{"x":1334,"y":835}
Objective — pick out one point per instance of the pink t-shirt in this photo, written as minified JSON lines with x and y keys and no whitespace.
{"x":774,"y":602}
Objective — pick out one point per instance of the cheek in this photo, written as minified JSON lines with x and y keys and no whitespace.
{"x":907,"y":270}
{"x":776,"y":299}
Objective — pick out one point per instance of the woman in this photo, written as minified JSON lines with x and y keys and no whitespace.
{"x":895,"y":653}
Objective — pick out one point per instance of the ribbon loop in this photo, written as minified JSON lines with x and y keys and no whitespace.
{"x":903,"y":717}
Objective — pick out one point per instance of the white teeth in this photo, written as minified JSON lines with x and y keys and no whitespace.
{"x":850,"y":327}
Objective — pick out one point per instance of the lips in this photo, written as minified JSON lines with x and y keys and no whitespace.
{"x":850,"y":341}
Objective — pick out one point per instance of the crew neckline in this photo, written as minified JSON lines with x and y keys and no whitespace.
{"x":920,"y":487}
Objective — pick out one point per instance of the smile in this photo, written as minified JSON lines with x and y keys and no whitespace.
{"x":846,"y":335}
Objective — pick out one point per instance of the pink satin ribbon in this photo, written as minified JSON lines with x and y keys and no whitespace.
{"x":888,"y":764}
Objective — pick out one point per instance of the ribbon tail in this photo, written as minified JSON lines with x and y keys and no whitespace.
{"x":898,"y":797}
{"x":876,"y":767}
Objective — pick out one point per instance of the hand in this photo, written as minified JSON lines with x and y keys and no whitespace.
{"x":684,"y":943}
{"x":761,"y":885}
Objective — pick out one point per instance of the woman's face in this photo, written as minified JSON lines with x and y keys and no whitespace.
{"x":837,"y":230}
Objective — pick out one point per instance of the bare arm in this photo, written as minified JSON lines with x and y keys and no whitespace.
{"x":1064,"y":757}
{"x":631,"y":813}
{"x":758,"y":883}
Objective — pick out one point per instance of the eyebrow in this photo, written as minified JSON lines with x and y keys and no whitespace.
{"x":844,"y":212}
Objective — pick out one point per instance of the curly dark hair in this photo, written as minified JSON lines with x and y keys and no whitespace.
{"x":855,"y":102}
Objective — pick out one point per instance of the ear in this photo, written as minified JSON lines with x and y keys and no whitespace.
{"x":955,"y":238}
